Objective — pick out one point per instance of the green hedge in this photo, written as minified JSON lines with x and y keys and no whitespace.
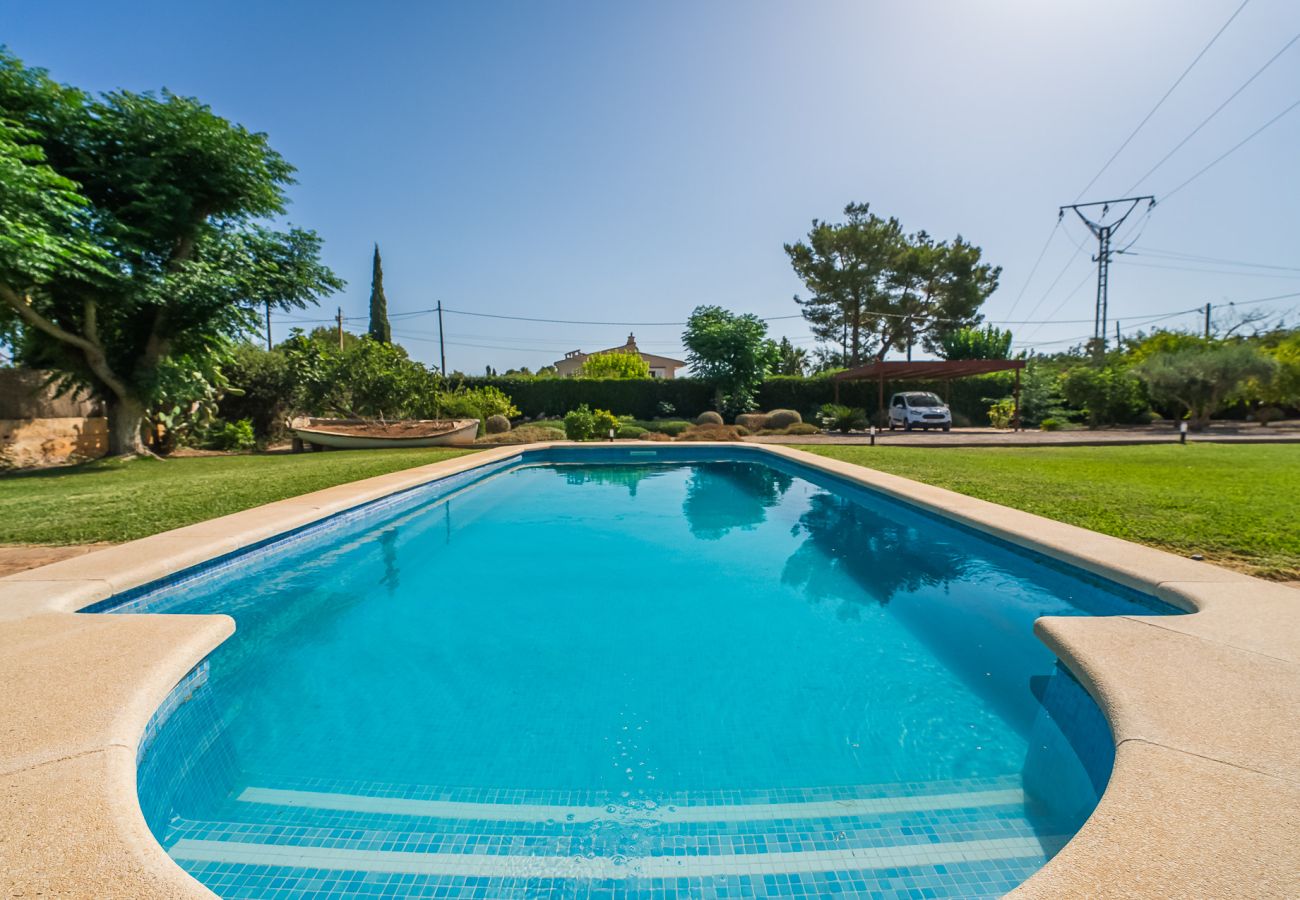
{"x":966,"y":396}
{"x":640,"y":398}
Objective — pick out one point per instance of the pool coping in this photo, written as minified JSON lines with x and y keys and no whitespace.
{"x":1204,"y":798}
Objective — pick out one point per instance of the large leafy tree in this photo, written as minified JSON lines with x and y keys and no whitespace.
{"x":380,"y":330}
{"x":873,"y":288}
{"x":732,"y":352}
{"x":135,"y":240}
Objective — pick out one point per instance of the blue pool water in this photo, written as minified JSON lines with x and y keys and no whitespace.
{"x":592,"y":673}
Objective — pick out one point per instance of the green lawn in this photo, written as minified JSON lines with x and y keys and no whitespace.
{"x":1238,"y":505}
{"x":119,"y":500}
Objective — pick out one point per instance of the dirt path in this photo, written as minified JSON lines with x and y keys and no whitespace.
{"x":15,"y":558}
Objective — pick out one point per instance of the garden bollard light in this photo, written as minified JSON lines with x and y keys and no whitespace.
{"x":873,"y":435}
{"x":1182,"y":432}
{"x":611,"y":434}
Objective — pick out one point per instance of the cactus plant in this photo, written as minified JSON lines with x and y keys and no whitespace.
{"x":497,"y":424}
{"x":783,"y":418}
{"x":708,"y":418}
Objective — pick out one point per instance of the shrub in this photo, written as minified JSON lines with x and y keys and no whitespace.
{"x":231,"y":436}
{"x":802,"y":428}
{"x":753,"y":421}
{"x":837,"y":417}
{"x":1050,"y":425}
{"x":604,"y":422}
{"x":670,"y":427}
{"x":497,"y":424}
{"x":712,"y":433}
{"x":583,"y":424}
{"x":267,"y":390}
{"x":475,"y":403}
{"x":630,"y":432}
{"x":524,"y":434}
{"x":580,"y":424}
{"x":1266,"y":414}
{"x":665,"y":409}
{"x":1108,"y":395}
{"x":783,"y":418}
{"x":1002,"y":413}
{"x":655,"y":436}
{"x":708,"y":418}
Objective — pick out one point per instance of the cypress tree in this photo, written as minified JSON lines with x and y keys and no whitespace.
{"x":380,"y":330}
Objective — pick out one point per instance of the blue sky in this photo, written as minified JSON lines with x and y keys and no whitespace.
{"x":627,"y":162}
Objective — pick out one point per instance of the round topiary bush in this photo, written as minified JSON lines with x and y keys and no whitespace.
{"x":497,"y":424}
{"x":783,"y":418}
{"x":630,"y":432}
{"x":708,"y":418}
{"x":753,"y":421}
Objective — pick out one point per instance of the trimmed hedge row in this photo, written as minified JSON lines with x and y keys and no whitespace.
{"x":967,"y":396}
{"x":640,"y":398}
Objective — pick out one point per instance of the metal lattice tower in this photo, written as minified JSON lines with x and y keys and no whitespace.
{"x":1103,"y":235}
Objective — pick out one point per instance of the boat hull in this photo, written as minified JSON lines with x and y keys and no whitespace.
{"x":320,"y":435}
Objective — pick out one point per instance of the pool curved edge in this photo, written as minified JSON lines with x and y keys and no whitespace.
{"x":1203,"y":799}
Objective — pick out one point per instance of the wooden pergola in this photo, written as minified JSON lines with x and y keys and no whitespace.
{"x":944,"y":370}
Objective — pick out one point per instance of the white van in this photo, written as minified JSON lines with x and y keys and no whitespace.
{"x":918,"y":409}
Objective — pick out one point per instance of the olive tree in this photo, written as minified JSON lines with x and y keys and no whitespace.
{"x":135,"y":235}
{"x":1203,"y":378}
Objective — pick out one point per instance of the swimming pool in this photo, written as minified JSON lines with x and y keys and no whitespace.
{"x":681,"y":671}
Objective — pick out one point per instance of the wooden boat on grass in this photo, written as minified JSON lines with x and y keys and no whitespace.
{"x":357,"y":434}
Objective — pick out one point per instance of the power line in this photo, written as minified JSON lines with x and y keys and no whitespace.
{"x":1161,"y":101}
{"x":1191,"y":134}
{"x":1147,"y":265}
{"x":1041,"y":253}
{"x":1066,"y":299}
{"x":1231,"y":151}
{"x":1173,"y":254}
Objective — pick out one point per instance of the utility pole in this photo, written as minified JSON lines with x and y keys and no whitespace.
{"x":268,"y":324}
{"x":338,"y":317}
{"x":1103,"y":235}
{"x":1207,"y":321}
{"x":1117,"y":338}
{"x":442,"y":347}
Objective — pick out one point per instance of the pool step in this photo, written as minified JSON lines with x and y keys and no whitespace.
{"x":648,"y":813}
{"x":266,"y":836}
{"x":848,"y":827}
{"x":607,"y":868}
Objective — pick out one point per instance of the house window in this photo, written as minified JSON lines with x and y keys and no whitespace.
{"x":656,"y":373}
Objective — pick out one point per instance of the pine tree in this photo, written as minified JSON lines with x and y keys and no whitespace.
{"x":380,"y":330}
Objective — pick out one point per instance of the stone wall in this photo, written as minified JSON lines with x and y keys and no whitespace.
{"x":24,"y":394}
{"x":25,"y":443}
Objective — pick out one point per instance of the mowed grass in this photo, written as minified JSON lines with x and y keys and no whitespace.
{"x":119,"y":500}
{"x":1238,"y":505}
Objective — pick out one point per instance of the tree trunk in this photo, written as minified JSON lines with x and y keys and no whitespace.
{"x":125,"y":427}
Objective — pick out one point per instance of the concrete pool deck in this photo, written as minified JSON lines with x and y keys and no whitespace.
{"x":1204,"y":799}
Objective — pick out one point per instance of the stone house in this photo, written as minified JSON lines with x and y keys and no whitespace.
{"x":660,"y":366}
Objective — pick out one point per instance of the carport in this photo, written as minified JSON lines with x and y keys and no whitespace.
{"x":944,"y":370}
